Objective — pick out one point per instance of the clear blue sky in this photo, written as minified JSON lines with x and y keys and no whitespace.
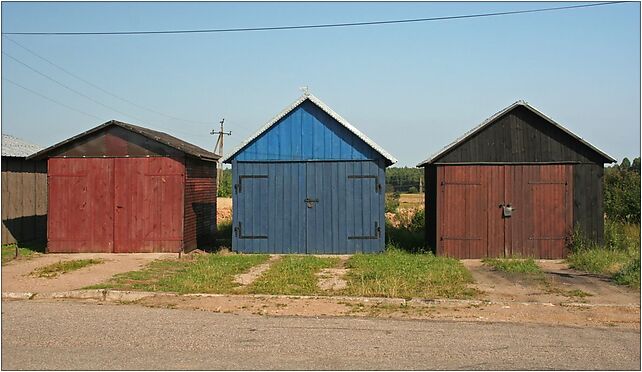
{"x":412,"y":88}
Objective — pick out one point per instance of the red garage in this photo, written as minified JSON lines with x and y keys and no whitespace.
{"x":123,"y":188}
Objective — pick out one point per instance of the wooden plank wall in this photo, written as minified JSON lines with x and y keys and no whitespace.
{"x":199,"y":226}
{"x":24,"y":201}
{"x":275,"y":218}
{"x":520,"y":136}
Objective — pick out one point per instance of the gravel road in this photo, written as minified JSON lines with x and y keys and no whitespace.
{"x":74,"y":335}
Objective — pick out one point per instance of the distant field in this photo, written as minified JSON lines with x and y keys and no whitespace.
{"x":411,"y":200}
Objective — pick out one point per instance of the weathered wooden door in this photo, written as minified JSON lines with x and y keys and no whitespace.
{"x":148,"y":205}
{"x":81,"y":205}
{"x":308,"y":207}
{"x":251,"y":207}
{"x":344,"y":207}
{"x":542,"y":219}
{"x":504,"y":210}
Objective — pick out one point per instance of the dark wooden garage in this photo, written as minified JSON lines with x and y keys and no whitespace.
{"x":24,"y":193}
{"x":518,"y":184}
{"x":124,"y":188}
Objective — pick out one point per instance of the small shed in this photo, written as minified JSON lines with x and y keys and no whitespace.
{"x":308,"y":182}
{"x":24,"y":193}
{"x":518,"y":184}
{"x":123,"y":188}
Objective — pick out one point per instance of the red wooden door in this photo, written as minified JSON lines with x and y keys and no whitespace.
{"x":80,"y":212}
{"x":471,"y":222}
{"x":463,"y":204}
{"x":542,"y":220}
{"x":148,"y":211}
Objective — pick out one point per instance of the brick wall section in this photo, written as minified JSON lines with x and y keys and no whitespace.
{"x":200,"y":204}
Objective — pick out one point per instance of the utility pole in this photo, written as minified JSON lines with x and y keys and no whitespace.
{"x":421,"y":183}
{"x":218,"y":149}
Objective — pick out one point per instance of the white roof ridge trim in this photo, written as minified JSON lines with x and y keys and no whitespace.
{"x":500,"y":113}
{"x":328,"y":111}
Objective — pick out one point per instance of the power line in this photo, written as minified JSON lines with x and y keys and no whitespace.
{"x":81,"y":94}
{"x":69,"y":88}
{"x":102,"y":89}
{"x":326,"y":25}
{"x":50,"y":99}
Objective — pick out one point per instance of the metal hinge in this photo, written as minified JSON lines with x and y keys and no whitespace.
{"x":238,"y":187}
{"x":239,"y":234}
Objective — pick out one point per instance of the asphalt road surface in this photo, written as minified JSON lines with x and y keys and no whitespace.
{"x":73,"y":335}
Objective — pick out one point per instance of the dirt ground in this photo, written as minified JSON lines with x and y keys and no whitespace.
{"x":15,"y":274}
{"x":562,"y":285}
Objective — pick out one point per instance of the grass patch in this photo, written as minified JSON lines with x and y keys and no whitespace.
{"x":293,"y":275}
{"x":208,"y":273}
{"x":9,"y":252}
{"x":513,"y":265}
{"x":62,"y":267}
{"x":629,"y":275}
{"x":618,"y":258}
{"x":396,"y":273}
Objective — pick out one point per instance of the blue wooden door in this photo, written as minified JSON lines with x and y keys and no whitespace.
{"x":250,"y":208}
{"x":344,"y":207}
{"x":308,"y":207}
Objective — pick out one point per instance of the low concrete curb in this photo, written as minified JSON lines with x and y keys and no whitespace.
{"x":132,"y":296}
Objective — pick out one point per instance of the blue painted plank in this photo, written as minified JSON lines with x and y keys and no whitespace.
{"x":307,"y":133}
{"x":277,"y":216}
{"x":235,"y":207}
{"x":334,"y":209}
{"x":272,"y":200}
{"x":275,"y":207}
{"x":329,"y":227}
{"x":342,"y":192}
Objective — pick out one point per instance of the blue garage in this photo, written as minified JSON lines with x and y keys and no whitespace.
{"x":308,"y":182}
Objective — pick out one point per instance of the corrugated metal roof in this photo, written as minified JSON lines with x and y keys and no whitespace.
{"x":491,"y":119}
{"x":157,"y":136}
{"x":15,"y":147}
{"x":327,"y":110}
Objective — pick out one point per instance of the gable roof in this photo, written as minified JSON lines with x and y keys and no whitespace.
{"x":17,"y":148}
{"x":436,"y":156}
{"x":327,"y":110}
{"x":157,"y":136}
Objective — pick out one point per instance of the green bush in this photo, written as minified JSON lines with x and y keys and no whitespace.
{"x":629,"y":274}
{"x":408,"y":234}
{"x":622,"y":191}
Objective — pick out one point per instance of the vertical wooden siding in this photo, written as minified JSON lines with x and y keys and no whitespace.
{"x":307,"y":133}
{"x":274,"y":217}
{"x":148,"y":210}
{"x":81,"y":205}
{"x":24,"y":200}
{"x":521,"y":136}
{"x":200,"y":204}
{"x":469,"y":217}
{"x":115,"y":205}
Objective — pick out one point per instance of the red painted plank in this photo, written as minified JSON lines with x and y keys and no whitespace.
{"x":149,"y":205}
{"x":80,"y":205}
